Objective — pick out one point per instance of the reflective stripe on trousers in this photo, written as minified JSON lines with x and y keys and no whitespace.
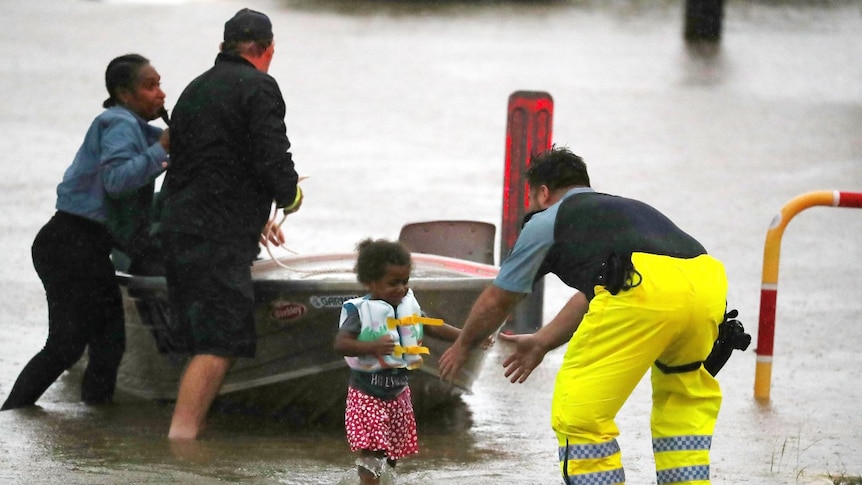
{"x":571,"y":456}
{"x":672,"y":455}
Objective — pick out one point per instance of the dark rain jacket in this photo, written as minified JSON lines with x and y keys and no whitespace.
{"x":229,"y":155}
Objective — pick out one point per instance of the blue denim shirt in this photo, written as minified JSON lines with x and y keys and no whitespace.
{"x":120,"y":153}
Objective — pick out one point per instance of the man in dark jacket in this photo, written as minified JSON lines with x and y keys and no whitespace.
{"x":229,"y":162}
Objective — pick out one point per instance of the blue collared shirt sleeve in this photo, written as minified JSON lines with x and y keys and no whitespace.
{"x":518,"y":271}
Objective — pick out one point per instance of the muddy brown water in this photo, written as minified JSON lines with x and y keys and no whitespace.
{"x":396,"y":111}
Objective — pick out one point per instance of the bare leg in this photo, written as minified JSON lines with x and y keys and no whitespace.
{"x":370,"y":466}
{"x":367,"y":478}
{"x":198,"y":388}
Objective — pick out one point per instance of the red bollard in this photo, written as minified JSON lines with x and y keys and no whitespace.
{"x":528,"y":133}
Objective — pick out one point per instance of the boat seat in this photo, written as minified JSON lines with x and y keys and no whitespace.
{"x":468,"y":240}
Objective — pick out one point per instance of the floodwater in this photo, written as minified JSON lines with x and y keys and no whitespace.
{"x":397,"y":112}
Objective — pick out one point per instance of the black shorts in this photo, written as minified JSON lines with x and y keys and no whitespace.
{"x":211,"y":296}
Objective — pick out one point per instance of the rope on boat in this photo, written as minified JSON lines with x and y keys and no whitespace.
{"x":275,"y":260}
{"x":266,"y":241}
{"x":268,"y":245}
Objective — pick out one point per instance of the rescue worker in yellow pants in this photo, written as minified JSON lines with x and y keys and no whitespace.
{"x":648,"y":296}
{"x":663,"y":319}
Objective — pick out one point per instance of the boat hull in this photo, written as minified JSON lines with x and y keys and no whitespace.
{"x":296,"y":372}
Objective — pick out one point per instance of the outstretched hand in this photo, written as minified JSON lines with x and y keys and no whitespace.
{"x":452,"y":361}
{"x":528,"y":354}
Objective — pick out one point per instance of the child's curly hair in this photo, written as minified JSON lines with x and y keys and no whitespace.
{"x":374,"y":255}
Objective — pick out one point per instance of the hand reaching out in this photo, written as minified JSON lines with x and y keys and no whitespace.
{"x":452,"y":360}
{"x":528,"y":354}
{"x":455,"y":357}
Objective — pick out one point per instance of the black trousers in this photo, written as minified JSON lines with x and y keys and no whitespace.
{"x":85,"y":311}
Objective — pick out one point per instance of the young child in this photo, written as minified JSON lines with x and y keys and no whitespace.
{"x":380,"y":336}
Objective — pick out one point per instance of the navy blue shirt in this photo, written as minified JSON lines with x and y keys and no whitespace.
{"x":574,"y":237}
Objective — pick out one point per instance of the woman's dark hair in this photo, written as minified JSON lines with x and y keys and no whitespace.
{"x":557,"y":168}
{"x":122,"y":74}
{"x":374,"y":256}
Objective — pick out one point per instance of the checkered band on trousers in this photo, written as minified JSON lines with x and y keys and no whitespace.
{"x":610,"y":477}
{"x":583,"y":452}
{"x":682,"y":443}
{"x":683,"y":474}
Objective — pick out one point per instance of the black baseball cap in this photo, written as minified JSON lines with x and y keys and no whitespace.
{"x":247,"y":25}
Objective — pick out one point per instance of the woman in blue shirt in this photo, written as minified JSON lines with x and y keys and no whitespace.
{"x":103,"y":200}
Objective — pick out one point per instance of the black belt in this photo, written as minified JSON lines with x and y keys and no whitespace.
{"x":678,"y":369}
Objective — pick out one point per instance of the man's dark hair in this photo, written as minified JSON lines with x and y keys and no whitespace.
{"x":374,"y":256}
{"x":122,"y":75}
{"x":253,"y":48}
{"x":557,"y":168}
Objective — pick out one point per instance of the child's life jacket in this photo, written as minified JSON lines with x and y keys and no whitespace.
{"x":403,"y":323}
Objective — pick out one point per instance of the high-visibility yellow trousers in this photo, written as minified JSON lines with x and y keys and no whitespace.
{"x":672,"y":316}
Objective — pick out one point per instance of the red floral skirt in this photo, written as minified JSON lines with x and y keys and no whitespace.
{"x":378,"y":425}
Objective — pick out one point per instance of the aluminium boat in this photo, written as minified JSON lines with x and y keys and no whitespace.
{"x":296,"y":374}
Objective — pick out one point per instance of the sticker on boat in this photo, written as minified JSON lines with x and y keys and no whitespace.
{"x":286,"y":310}
{"x":329,"y":301}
